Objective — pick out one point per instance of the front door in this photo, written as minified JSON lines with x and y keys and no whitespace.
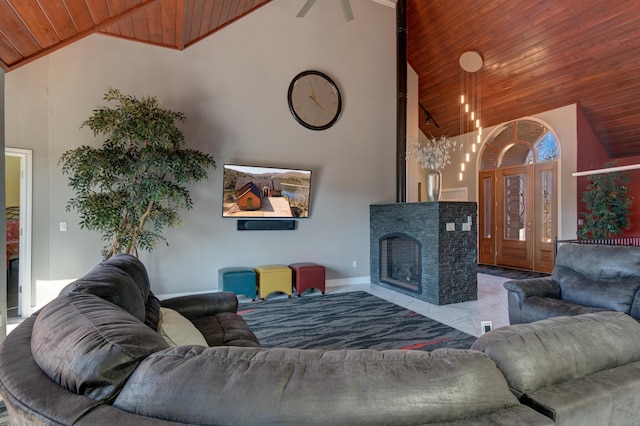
{"x":515,"y":215}
{"x":517,"y":197}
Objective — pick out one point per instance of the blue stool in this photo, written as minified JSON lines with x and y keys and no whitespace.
{"x":238,"y":280}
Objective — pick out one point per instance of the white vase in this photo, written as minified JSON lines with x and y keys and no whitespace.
{"x":433,"y":182}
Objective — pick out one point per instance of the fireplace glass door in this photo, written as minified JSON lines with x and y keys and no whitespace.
{"x":400,"y":263}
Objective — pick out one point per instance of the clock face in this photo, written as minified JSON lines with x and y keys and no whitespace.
{"x":314,"y":100}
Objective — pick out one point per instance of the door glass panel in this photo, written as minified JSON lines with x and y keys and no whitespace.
{"x":547,"y":192}
{"x":487,"y":192}
{"x":514,"y":207}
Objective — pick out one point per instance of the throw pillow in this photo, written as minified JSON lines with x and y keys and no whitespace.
{"x":176,"y":330}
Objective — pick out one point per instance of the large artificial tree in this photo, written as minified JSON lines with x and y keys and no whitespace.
{"x":132,"y":188}
{"x":608,"y":204}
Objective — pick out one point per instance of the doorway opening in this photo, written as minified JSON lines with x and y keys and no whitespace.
{"x":517,"y":197}
{"x":18,"y":193}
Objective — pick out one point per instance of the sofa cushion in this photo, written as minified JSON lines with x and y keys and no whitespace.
{"x":255,"y":386}
{"x":176,"y":330}
{"x":600,"y":262}
{"x":152,"y":311}
{"x":539,"y":308}
{"x":540,"y":354}
{"x":616,"y":294}
{"x":90,"y":346}
{"x":609,"y":397}
{"x":133,"y":267}
{"x":112,"y":283}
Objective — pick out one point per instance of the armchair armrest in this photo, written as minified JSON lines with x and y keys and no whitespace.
{"x":520,"y":290}
{"x":202,"y":305}
{"x":530,"y":287}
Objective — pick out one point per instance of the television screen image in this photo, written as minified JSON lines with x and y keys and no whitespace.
{"x":269,"y":192}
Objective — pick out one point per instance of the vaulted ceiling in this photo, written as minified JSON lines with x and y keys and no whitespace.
{"x":538,"y":54}
{"x":30,"y":29}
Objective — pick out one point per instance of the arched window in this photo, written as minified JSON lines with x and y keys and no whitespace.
{"x":518,"y":143}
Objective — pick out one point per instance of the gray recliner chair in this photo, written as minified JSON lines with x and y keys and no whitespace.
{"x":585,"y":279}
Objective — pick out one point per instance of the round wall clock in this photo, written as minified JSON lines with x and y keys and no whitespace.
{"x":314,"y":100}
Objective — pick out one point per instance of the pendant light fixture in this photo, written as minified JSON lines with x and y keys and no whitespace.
{"x":471,"y":63}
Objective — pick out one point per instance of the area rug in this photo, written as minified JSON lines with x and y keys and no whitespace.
{"x":512,"y":274}
{"x":354,"y":320}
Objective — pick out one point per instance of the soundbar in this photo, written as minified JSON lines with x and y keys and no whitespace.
{"x":266,"y":225}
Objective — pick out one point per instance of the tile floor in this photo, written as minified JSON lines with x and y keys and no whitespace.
{"x":490,"y":306}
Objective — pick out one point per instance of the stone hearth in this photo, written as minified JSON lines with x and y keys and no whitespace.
{"x":413,"y":253}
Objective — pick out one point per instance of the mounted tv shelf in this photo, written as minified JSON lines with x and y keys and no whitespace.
{"x":266,"y":225}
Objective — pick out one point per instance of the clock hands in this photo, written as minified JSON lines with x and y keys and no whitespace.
{"x":318,"y":104}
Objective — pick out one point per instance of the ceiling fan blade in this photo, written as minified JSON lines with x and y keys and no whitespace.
{"x":348,"y":13}
{"x":305,"y":8}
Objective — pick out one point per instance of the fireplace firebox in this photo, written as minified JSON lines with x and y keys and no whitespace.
{"x":400,"y":263}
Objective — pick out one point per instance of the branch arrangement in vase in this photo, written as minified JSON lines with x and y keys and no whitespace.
{"x":431,"y":153}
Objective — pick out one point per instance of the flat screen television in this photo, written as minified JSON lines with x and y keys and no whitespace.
{"x":265,"y":192}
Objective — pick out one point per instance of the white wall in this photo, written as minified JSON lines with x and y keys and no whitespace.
{"x":232,"y":86}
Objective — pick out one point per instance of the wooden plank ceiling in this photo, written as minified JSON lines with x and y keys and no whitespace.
{"x":538,"y":54}
{"x":30,"y":29}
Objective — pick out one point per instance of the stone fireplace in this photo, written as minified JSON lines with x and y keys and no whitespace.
{"x":425,"y":250}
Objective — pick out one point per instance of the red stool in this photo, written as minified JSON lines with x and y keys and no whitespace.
{"x":308,"y":275}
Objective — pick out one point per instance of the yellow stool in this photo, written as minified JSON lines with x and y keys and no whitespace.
{"x":272,"y":278}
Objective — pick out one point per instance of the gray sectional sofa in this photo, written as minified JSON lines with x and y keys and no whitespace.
{"x":99,"y":354}
{"x":585,"y":279}
{"x":578,"y":370}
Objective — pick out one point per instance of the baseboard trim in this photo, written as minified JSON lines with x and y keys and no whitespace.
{"x":348,"y":281}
